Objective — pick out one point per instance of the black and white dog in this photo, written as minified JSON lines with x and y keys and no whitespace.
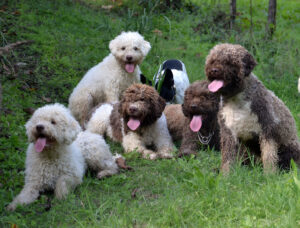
{"x":174,"y":79}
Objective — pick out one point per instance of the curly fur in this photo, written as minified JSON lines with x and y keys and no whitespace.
{"x":143,"y":104}
{"x":97,"y":154}
{"x":198,"y":101}
{"x":250,"y":114}
{"x":60,"y":165}
{"x":106,"y":81}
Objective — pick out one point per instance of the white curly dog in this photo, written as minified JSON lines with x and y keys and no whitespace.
{"x":106,"y":81}
{"x":54,"y":161}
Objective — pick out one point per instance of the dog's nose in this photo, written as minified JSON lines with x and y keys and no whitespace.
{"x":129,"y":57}
{"x":214,"y":70}
{"x":193,"y":106}
{"x":39,"y":127}
{"x":132,"y":109}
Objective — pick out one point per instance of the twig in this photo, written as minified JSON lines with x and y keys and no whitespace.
{"x":7,"y":48}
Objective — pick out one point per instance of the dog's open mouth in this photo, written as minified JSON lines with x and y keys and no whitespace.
{"x":42,"y":141}
{"x":215,"y":85}
{"x":196,"y":123}
{"x":133,"y":123}
{"x":129,"y":67}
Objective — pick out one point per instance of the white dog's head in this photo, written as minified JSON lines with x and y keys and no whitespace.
{"x":51,"y":125}
{"x":130,"y":49}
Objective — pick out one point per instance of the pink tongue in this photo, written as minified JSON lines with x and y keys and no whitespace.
{"x":196,"y":123}
{"x":40,"y":144}
{"x":129,"y":67}
{"x":133,"y":124}
{"x":215,"y":85}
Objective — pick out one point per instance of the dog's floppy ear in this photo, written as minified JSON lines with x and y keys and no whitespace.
{"x":113,"y":45}
{"x":169,"y":79}
{"x":185,"y":104}
{"x":159,"y":106}
{"x":29,"y":127}
{"x":145,"y":47}
{"x":248,"y":63}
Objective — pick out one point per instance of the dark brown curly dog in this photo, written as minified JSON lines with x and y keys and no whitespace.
{"x":137,"y":121}
{"x":195,"y":122}
{"x":250,"y":114}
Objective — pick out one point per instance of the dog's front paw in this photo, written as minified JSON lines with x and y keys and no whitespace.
{"x":186,"y":152}
{"x":103,"y":173}
{"x":166,"y":155}
{"x":149,"y":154}
{"x":61,"y":190}
{"x":11,"y":207}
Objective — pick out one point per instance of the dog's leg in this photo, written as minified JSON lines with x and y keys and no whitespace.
{"x":80,"y":106}
{"x":163,"y":141}
{"x":28,"y":194}
{"x":164,"y":145}
{"x":132,"y":141}
{"x":109,"y":167}
{"x":189,"y":143}
{"x":229,"y":145}
{"x":64,"y":184}
{"x":269,"y":154}
{"x":107,"y":172}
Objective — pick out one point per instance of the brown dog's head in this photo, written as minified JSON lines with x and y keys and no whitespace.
{"x":140,"y":106}
{"x":226,"y":67}
{"x":199,"y":104}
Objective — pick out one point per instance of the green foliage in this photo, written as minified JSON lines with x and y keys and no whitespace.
{"x":72,"y":36}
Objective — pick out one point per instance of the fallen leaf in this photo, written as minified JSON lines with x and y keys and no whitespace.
{"x":4,"y":7}
{"x":107,"y":7}
{"x":133,"y":193}
{"x":29,"y":110}
{"x":122,"y":164}
{"x":157,"y":32}
{"x":198,"y":55}
{"x":16,"y":12}
{"x":28,"y":72}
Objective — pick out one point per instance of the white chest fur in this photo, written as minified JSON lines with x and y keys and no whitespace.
{"x":239,"y":119}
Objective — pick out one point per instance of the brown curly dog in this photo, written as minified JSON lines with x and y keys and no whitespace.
{"x":195,"y":121}
{"x":137,"y":121}
{"x":250,"y":114}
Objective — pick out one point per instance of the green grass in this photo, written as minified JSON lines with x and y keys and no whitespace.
{"x":72,"y":36}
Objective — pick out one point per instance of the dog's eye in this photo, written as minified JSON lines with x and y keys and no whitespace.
{"x":123,"y":48}
{"x":135,"y":48}
{"x":53,"y":122}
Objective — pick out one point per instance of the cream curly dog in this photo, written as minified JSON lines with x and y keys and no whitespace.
{"x":54,"y":160}
{"x":106,"y":81}
{"x":137,"y":121}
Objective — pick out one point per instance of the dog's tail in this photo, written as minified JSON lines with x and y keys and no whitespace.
{"x":120,"y":161}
